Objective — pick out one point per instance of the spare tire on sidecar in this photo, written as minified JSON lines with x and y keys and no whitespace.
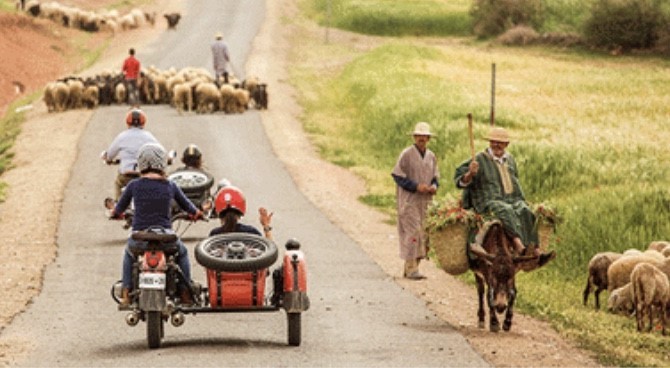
{"x":236,"y":252}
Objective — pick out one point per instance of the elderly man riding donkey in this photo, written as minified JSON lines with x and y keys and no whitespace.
{"x":509,"y":242}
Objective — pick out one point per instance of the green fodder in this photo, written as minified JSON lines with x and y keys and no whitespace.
{"x":394,"y":18}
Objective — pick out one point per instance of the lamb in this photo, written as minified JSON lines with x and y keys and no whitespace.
{"x":619,"y":271}
{"x":621,"y":300}
{"x":651,"y":288}
{"x":597,"y":277}
{"x":172,"y":19}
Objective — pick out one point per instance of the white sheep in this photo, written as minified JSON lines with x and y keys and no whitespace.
{"x":651,"y":288}
{"x":597,"y":274}
{"x":91,"y":96}
{"x":620,"y":300}
{"x":227,"y":101}
{"x":241,"y":100}
{"x":659,"y":245}
{"x":76,"y":93}
{"x":619,"y":271}
{"x":208,"y":97}
{"x":120,"y":93}
{"x":182,"y":96}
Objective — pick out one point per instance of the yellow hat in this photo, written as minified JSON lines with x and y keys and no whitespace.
{"x":498,"y":135}
{"x":422,"y":128}
{"x":219,"y":35}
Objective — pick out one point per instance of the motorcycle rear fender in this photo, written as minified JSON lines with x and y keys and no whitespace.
{"x":295,"y":282}
{"x":152,"y":300}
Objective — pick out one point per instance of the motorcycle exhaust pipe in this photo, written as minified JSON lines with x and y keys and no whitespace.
{"x":178,"y":319}
{"x":132,"y":319}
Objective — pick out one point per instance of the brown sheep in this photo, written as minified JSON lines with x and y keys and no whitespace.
{"x":651,"y":288}
{"x":597,"y":277}
{"x":172,"y":19}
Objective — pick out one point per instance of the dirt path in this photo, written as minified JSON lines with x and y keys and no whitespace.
{"x":30,"y":213}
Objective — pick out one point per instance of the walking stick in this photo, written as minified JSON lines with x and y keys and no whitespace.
{"x":472,"y":138}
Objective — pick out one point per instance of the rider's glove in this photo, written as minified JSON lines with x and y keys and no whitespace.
{"x":196,"y":216}
{"x":117,"y":216}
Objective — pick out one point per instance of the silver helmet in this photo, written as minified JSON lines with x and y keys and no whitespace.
{"x":151,"y":156}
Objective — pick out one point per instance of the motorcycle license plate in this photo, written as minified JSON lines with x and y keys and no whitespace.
{"x":154,"y":281}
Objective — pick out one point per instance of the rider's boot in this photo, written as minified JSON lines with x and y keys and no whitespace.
{"x":185,"y":297}
{"x":125,"y":298}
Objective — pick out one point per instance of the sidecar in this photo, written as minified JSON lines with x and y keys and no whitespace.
{"x":238,"y":270}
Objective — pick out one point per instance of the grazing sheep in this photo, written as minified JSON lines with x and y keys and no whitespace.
{"x":621,"y":300}
{"x":659,"y":245}
{"x":632,"y":252}
{"x":654,"y":254}
{"x":666,"y":252}
{"x":619,"y":271}
{"x":651,"y":288}
{"x":597,"y":274}
{"x":172,"y":19}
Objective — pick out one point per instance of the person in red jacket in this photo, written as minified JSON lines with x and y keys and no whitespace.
{"x":131,"y":71}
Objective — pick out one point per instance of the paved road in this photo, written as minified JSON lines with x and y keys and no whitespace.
{"x":359,"y":316}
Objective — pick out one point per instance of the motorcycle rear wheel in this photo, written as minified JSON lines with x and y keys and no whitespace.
{"x":154,"y":329}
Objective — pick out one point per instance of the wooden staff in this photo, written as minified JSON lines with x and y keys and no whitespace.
{"x":472,"y":138}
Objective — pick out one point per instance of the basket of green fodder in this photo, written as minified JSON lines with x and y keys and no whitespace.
{"x":447,"y":225}
{"x":546,"y":219}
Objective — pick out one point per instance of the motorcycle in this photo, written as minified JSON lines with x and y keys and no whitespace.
{"x":236,"y":264}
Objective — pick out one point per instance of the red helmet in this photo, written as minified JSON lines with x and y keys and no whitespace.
{"x":230,"y":198}
{"x":136,"y":117}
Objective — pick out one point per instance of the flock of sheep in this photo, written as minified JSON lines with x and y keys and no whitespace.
{"x":102,"y":20}
{"x":188,"y":89}
{"x":637,"y":282}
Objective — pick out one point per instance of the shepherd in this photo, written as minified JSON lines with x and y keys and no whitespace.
{"x":491,"y":185}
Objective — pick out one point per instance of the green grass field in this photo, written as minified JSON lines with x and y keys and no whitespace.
{"x":588,"y":133}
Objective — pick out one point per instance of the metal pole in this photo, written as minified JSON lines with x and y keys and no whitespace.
{"x":327,"y":20}
{"x":493,"y":94}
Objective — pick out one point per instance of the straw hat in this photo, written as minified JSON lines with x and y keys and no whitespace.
{"x":498,"y":135}
{"x":219,"y":35}
{"x":422,"y":128}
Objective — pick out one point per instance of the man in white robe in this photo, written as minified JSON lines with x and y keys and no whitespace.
{"x":416,"y":176}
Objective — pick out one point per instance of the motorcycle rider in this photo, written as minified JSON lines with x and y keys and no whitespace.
{"x":125,"y":147}
{"x":152,"y":195}
{"x":231,"y":205}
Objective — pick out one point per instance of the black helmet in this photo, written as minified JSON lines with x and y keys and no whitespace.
{"x":191,"y":156}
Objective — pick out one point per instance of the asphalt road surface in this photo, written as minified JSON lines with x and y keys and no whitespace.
{"x":358,"y":315}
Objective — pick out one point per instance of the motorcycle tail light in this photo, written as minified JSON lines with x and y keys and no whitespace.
{"x":153,"y":259}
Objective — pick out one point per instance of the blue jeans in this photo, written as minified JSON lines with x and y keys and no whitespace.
{"x":128,"y":259}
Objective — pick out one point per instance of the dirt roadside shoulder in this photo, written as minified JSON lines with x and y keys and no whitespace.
{"x":334,"y":190}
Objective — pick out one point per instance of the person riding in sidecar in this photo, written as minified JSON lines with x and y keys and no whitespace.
{"x":152,"y":195}
{"x":193,"y":179}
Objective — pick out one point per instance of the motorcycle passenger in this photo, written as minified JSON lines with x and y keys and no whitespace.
{"x":152,"y":195}
{"x":231,"y":205}
{"x":125,"y":147}
{"x":192,"y":160}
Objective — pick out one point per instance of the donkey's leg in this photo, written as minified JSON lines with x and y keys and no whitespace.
{"x":481,"y":315}
{"x":494,"y":325}
{"x":507,"y":325}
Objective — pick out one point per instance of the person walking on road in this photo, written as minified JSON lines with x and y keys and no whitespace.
{"x":416,"y":176}
{"x":220,"y":57}
{"x":131,"y":72}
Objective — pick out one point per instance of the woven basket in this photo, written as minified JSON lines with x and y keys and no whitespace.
{"x":449,"y":245}
{"x":544,"y":232}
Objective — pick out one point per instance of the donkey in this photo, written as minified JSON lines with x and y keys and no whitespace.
{"x":495,"y":265}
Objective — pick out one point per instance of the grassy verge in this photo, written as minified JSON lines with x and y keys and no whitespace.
{"x":588,"y":134}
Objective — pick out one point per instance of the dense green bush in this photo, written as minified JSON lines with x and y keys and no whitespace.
{"x":493,"y":17}
{"x":625,"y":24}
